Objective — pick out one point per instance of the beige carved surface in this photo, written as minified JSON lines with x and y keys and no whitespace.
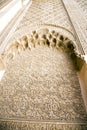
{"x":37,"y":86}
{"x":2,"y":69}
{"x":53,"y":14}
{"x":83,"y":81}
{"x":40,"y":83}
{"x":83,"y":5}
{"x":43,"y":12}
{"x":79,"y":22}
{"x":42,"y":36}
{"x":15,"y":125}
{"x":40,"y":88}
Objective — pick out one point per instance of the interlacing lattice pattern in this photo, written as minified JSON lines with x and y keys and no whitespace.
{"x":48,"y":12}
{"x":83,"y":4}
{"x":54,"y":14}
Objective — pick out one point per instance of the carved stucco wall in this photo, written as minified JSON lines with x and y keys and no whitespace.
{"x":38,"y":14}
{"x":55,"y":14}
{"x":82,"y":75}
{"x":79,"y":22}
{"x":83,"y":6}
{"x":41,"y":83}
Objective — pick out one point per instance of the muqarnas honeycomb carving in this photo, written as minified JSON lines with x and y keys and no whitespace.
{"x":51,"y":38}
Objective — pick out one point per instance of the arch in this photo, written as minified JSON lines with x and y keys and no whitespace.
{"x":43,"y":36}
{"x":50,"y":39}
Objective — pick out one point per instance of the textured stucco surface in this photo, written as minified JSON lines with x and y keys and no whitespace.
{"x":82,"y":4}
{"x":41,"y":84}
{"x":79,"y":22}
{"x":43,"y":12}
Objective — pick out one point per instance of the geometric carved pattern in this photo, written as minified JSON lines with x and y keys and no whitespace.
{"x":83,"y":4}
{"x":42,"y":36}
{"x":41,"y":11}
{"x":40,"y":83}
